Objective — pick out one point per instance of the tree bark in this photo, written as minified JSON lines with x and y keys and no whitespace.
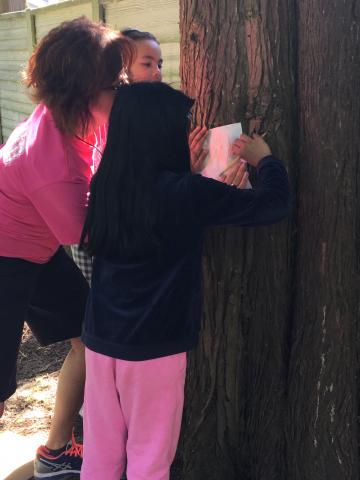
{"x":238,"y":61}
{"x":323,"y":391}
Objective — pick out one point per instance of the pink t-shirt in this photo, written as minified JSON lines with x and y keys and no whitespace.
{"x":44,"y":181}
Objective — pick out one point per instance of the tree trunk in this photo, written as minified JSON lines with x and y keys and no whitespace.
{"x":323,"y":390}
{"x":238,"y":62}
{"x":292,"y":69}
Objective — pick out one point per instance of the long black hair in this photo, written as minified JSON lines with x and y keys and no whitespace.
{"x":148,"y":133}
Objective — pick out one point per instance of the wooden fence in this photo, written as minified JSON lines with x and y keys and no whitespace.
{"x":20,"y":31}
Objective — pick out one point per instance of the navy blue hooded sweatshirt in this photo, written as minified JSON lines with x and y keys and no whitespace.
{"x":151,"y":308}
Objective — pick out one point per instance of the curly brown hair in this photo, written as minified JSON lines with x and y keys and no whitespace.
{"x":71,"y":65}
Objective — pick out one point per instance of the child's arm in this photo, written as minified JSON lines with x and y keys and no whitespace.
{"x":213,"y":203}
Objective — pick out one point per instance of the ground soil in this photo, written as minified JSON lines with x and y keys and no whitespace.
{"x":29,"y":410}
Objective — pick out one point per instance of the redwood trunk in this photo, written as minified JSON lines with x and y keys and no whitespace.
{"x":238,"y":61}
{"x":323,"y":390}
{"x":272,"y":390}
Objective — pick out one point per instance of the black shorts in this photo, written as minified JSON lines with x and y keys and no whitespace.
{"x":50,"y":297}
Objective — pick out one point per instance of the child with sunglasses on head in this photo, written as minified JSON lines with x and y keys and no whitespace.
{"x":145,"y":223}
{"x":147,"y":67}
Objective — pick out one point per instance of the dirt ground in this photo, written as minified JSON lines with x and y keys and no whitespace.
{"x":30,"y":409}
{"x":26,"y":420}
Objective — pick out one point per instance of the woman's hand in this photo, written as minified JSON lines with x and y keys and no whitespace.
{"x":251,"y":149}
{"x":236,"y":174}
{"x":197,"y":153}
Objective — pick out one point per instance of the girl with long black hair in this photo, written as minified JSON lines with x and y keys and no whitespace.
{"x":145,"y":223}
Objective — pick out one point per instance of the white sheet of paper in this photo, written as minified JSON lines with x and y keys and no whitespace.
{"x":219,"y":143}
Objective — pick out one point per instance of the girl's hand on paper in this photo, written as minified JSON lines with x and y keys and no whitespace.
{"x":236,"y":174}
{"x":197,"y":153}
{"x":238,"y":145}
{"x":251,"y":149}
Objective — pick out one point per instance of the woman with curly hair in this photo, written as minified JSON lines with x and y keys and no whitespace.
{"x":45,"y":170}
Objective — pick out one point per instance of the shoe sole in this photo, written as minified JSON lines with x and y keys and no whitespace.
{"x":70,"y":475}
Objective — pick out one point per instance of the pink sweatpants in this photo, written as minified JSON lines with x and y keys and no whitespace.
{"x":132,"y":414}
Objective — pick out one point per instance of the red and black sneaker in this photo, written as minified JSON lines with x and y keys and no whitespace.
{"x":67,"y":463}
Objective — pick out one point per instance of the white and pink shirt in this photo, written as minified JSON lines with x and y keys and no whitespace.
{"x":44,"y":182}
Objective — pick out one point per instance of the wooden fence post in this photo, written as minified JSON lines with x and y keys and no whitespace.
{"x":97,"y":11}
{"x":31,"y":30}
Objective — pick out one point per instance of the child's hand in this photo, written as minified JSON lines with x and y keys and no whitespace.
{"x":236,"y":174}
{"x":197,"y":153}
{"x":251,"y":149}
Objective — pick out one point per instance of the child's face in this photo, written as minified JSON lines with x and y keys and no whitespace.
{"x":148,"y":63}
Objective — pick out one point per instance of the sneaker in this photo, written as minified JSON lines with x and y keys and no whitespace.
{"x":67,"y":463}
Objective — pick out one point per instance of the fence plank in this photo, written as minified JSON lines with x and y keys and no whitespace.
{"x":49,"y":17}
{"x":15,"y":47}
